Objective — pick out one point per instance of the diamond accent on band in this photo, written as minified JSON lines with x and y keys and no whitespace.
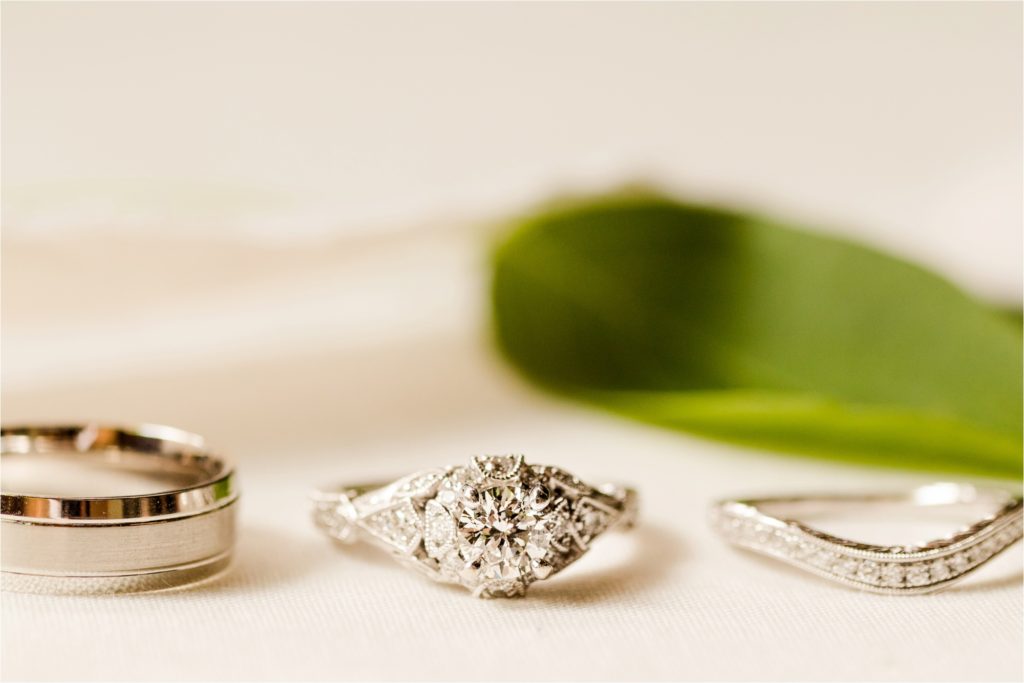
{"x":335,"y":517}
{"x":589,"y":521}
{"x":959,"y":563}
{"x":891,"y":575}
{"x":440,"y":535}
{"x":869,"y":572}
{"x":918,"y":574}
{"x":848,"y":567}
{"x":824,"y":559}
{"x":888,"y":570}
{"x":399,"y":525}
{"x":939,"y":570}
{"x":421,"y":484}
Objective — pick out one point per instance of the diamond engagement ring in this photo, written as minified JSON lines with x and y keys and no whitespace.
{"x":769,"y":526}
{"x":494,"y":526}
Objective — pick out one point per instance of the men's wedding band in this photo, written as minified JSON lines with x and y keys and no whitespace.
{"x":773,"y":526}
{"x":175,"y":531}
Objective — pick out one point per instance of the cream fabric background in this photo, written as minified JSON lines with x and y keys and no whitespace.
{"x":268,"y":224}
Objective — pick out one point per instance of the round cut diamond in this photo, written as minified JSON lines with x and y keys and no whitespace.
{"x":496,"y":538}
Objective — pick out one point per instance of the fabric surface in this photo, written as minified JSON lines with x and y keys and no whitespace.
{"x":249,"y":220}
{"x":666,"y":601}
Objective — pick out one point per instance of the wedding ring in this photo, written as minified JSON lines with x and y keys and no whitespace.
{"x":102,"y":509}
{"x":771,"y":526}
{"x":494,"y":526}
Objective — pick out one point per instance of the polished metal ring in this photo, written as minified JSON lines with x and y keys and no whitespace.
{"x":494,"y":526}
{"x":773,"y":526}
{"x":102,"y":509}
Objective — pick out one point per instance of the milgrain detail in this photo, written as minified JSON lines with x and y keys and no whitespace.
{"x":494,"y":526}
{"x":910,"y":569}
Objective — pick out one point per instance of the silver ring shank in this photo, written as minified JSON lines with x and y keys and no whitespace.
{"x":168,"y":535}
{"x":773,"y":526}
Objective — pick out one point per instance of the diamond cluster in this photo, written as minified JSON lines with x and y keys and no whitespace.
{"x":881,"y":570}
{"x":494,"y":526}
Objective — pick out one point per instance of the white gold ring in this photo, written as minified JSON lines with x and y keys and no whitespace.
{"x":494,"y":526}
{"x":104,"y":509}
{"x":772,"y":526}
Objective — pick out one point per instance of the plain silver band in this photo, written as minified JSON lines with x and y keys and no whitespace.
{"x":99,"y":543}
{"x":771,"y":526}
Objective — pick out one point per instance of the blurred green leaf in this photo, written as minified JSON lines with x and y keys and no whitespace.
{"x":738,"y":328}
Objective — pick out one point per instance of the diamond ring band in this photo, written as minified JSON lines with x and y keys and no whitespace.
{"x":772,"y":526}
{"x":494,"y":526}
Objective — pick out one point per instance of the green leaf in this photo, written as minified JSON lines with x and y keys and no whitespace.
{"x":735,"y":327}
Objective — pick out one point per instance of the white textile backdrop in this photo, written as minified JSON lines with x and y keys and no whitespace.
{"x":268,"y":222}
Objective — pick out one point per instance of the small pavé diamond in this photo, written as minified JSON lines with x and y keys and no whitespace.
{"x":988,"y":548}
{"x":959,"y":563}
{"x":848,"y":567}
{"x":825,"y":559}
{"x":780,"y":542}
{"x":794,"y":547}
{"x":421,"y":484}
{"x":546,"y":531}
{"x":590,"y":520}
{"x":939,"y":570}
{"x":917,"y":574}
{"x":399,"y":525}
{"x":868,"y":572}
{"x":892,"y":574}
{"x":439,"y":535}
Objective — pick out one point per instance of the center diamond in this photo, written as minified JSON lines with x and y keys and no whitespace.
{"x":496,"y":526}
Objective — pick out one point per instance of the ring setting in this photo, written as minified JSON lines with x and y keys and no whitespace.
{"x":494,"y":526}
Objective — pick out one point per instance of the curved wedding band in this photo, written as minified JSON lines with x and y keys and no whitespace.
{"x":770,"y":526}
{"x":494,"y":526}
{"x":148,"y":540}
